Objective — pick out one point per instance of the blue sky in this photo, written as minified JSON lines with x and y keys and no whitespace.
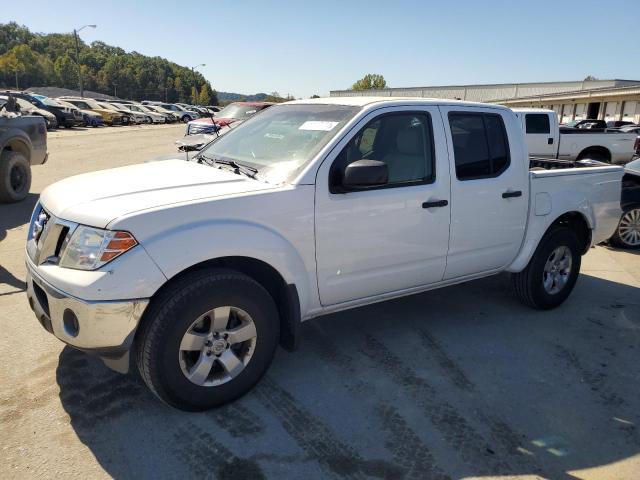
{"x":305,"y":48}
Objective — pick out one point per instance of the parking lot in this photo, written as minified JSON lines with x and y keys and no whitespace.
{"x":462,"y":382}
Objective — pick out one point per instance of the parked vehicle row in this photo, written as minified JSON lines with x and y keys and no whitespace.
{"x":71,"y":111}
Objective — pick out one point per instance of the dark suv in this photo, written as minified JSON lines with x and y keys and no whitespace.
{"x":66,"y":116}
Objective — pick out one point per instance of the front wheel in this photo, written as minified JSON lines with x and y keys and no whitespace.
{"x":552,"y":271}
{"x":627,"y":233}
{"x":207,"y":339}
{"x":186,"y":119}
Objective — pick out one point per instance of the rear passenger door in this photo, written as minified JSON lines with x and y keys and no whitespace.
{"x":489,"y":189}
{"x":540,"y":141}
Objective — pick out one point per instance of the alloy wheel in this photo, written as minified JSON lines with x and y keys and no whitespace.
{"x":557,"y":270}
{"x":629,"y":227}
{"x":217,"y":346}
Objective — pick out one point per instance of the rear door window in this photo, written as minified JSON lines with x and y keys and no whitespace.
{"x":480,"y":145}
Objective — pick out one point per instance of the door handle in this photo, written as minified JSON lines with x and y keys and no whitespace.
{"x":435,"y":203}
{"x":517,"y":193}
{"x":550,"y":141}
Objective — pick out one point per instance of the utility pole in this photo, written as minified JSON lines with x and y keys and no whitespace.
{"x":193,"y":71}
{"x":75,"y":36}
{"x":17,"y":88}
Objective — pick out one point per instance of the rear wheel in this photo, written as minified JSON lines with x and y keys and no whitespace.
{"x":627,"y":234}
{"x":207,"y":339}
{"x":552,"y":271}
{"x":15,"y":176}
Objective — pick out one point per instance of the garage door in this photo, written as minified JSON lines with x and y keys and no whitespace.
{"x":610,"y":111}
{"x":629,"y":113}
{"x":581,"y":111}
{"x":567,"y":113}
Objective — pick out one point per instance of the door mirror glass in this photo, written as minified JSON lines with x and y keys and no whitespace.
{"x":365,"y":173}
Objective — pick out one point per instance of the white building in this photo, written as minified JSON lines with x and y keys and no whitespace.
{"x":600,"y":99}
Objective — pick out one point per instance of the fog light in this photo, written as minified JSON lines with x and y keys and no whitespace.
{"x":70,"y":321}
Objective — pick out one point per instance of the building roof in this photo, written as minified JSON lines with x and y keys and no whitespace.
{"x":491,"y":92}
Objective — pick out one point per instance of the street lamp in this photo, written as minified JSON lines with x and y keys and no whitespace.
{"x":75,"y":35}
{"x":193,"y":71}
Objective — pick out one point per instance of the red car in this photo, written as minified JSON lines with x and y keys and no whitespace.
{"x":234,"y":112}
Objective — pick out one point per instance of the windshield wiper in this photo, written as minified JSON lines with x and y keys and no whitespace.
{"x":237,"y":167}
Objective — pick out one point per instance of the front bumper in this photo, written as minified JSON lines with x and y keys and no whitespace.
{"x":102,"y":327}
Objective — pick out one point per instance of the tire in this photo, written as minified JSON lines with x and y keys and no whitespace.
{"x":529,"y":285}
{"x":627,"y":234}
{"x":148,"y":120}
{"x":186,"y":118}
{"x":164,"y":365}
{"x":15,"y":177}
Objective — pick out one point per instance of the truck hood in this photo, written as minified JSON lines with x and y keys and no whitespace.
{"x":98,"y":198}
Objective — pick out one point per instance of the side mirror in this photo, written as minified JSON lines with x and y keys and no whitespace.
{"x":365,"y":173}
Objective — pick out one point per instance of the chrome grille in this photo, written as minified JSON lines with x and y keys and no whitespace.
{"x":48,"y":236}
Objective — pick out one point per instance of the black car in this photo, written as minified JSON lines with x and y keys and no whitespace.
{"x":627,"y":234}
{"x":588,"y":124}
{"x":66,"y":116}
{"x":618,"y":124}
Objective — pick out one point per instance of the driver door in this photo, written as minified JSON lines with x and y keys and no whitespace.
{"x":391,"y":237}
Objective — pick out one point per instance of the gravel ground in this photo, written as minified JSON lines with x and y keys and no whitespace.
{"x":461,"y":382}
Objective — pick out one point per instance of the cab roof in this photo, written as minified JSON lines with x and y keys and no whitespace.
{"x":390,"y":101}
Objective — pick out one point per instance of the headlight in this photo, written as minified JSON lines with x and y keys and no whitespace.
{"x":90,"y":248}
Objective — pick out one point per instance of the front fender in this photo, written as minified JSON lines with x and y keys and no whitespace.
{"x":178,"y":249}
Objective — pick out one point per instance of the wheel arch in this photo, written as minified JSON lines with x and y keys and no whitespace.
{"x":597,"y":149}
{"x":573,"y":219}
{"x":285,"y":295}
{"x":17,"y":143}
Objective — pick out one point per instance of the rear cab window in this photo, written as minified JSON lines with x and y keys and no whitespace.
{"x":537,"y":123}
{"x":480,"y":145}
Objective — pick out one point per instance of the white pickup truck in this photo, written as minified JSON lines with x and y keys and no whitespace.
{"x":200,"y":268}
{"x":545,"y":138}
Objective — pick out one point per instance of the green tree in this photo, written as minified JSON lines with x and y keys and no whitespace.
{"x":370,"y":81}
{"x":66,"y":71}
{"x":44,"y":60}
{"x":29,"y":66}
{"x":204,"y":98}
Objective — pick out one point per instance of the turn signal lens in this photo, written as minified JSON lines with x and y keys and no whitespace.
{"x":119,"y":243}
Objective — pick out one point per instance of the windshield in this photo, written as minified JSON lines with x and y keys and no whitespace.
{"x":66,"y":104}
{"x":282,"y":139}
{"x":108,"y":106}
{"x":238,"y":111}
{"x":51,"y":102}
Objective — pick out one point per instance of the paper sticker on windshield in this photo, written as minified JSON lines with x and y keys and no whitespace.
{"x":318,"y":125}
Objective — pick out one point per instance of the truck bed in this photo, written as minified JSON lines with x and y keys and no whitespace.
{"x":541,"y":163}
